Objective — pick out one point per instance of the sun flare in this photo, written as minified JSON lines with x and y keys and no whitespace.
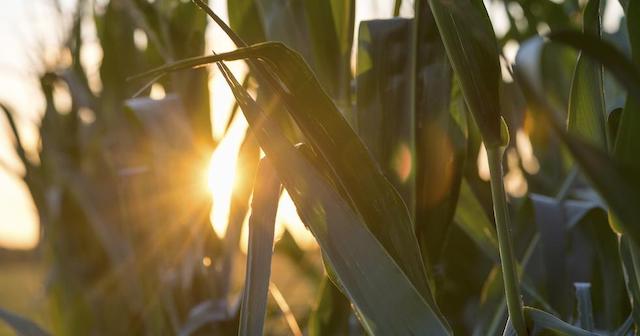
{"x":222,"y":175}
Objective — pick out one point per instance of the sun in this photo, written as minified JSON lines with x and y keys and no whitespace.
{"x":223,"y":174}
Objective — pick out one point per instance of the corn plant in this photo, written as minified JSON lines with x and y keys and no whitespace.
{"x":381,"y":166}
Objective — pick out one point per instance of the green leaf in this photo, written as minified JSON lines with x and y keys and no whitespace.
{"x":602,"y":52}
{"x":550,"y":222}
{"x":627,"y":144}
{"x":592,"y":239}
{"x":246,"y":21}
{"x":323,"y":36}
{"x":628,"y":252}
{"x":332,"y":314}
{"x":616,"y":182}
{"x":384,"y":119}
{"x":440,"y":136}
{"x":330,"y":136}
{"x":470,"y":42}
{"x":473,"y":220}
{"x":331,"y":25}
{"x":260,"y":248}
{"x":21,"y":325}
{"x":586,"y":104}
{"x":361,"y":264}
{"x":543,"y":323}
{"x":625,"y":328}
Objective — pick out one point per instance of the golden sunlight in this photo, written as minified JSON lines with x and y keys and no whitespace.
{"x":221,"y":177}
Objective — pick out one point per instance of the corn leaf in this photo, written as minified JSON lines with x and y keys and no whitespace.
{"x":331,"y":137}
{"x":625,"y":328}
{"x":615,"y":181}
{"x":331,"y":32}
{"x":473,"y":220}
{"x":261,"y":227}
{"x":631,"y":277}
{"x":543,"y":323}
{"x":246,"y":21}
{"x":550,"y":221}
{"x":323,"y":35}
{"x":613,"y":60}
{"x":361,"y":264}
{"x":586,"y":104}
{"x":21,"y":325}
{"x":384,"y":119}
{"x":332,"y":314}
{"x":470,"y":42}
{"x":627,"y":143}
{"x":441,"y":139}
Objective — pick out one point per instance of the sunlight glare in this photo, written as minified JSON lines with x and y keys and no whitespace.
{"x":222,"y":174}
{"x":286,"y":217}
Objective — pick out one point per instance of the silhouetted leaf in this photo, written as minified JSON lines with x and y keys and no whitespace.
{"x":261,"y":226}
{"x":21,"y":325}
{"x":361,"y":264}
{"x":330,"y":136}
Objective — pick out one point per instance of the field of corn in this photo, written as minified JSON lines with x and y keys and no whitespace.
{"x":455,"y":180}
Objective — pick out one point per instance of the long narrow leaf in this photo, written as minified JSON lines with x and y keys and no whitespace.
{"x":470,"y":42}
{"x":21,"y":325}
{"x":360,"y":262}
{"x":586,"y":104}
{"x":615,"y":181}
{"x":604,"y":53}
{"x":544,"y":323}
{"x":261,"y":227}
{"x":627,"y":142}
{"x":334,"y":140}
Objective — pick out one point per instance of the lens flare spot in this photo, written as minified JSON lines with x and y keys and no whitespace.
{"x":402,"y":162}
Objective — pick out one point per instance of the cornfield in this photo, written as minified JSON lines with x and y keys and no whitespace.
{"x":450,"y":189}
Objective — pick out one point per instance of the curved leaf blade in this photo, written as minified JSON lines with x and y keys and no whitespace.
{"x":586,"y":103}
{"x":470,"y":42}
{"x":360,"y":262}
{"x":21,"y":325}
{"x":349,"y":161}
{"x":616,"y":182}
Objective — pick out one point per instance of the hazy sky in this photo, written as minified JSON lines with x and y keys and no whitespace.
{"x":25,"y":28}
{"x":30,"y":31}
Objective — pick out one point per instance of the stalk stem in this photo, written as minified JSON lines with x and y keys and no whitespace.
{"x":507,"y":259}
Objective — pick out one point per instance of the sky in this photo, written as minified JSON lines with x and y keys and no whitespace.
{"x":25,"y":27}
{"x":29,"y":31}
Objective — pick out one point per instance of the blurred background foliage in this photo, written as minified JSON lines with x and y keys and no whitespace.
{"x":127,"y":246}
